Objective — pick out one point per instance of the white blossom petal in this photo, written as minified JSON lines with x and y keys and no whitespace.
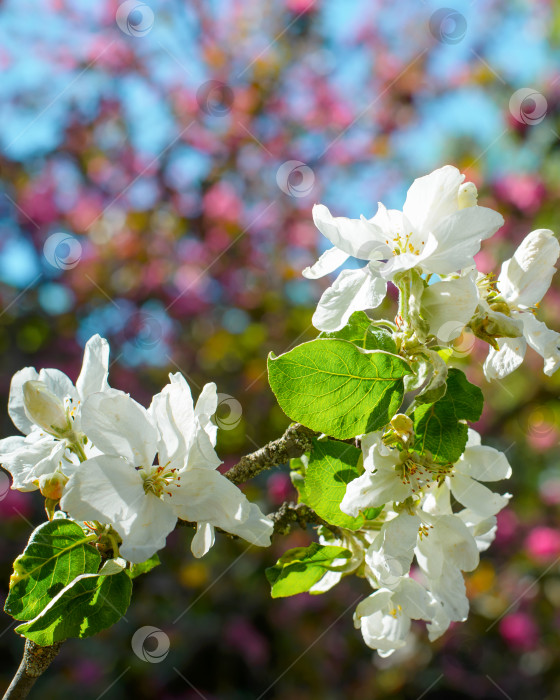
{"x":145,"y":533}
{"x":59,"y":384}
{"x":483,"y":463}
{"x":16,"y":407}
{"x":373,"y":489}
{"x":329,"y":261}
{"x":475,"y":496}
{"x":357,"y":237}
{"x":449,"y":305}
{"x":203,"y":540}
{"x":543,"y":340}
{"x":500,"y":363}
{"x":28,"y":458}
{"x":433,"y":197}
{"x":353,"y":290}
{"x":95,"y":367}
{"x":205,"y":495}
{"x":391,"y":552}
{"x":108,"y":489}
{"x":450,"y":594}
{"x":459,"y":238}
{"x":414,"y":600}
{"x":118,"y":425}
{"x":526,"y":277}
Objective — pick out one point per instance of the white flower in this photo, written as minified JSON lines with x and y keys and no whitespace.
{"x":393,"y":476}
{"x":384,"y":617}
{"x":439,"y":231}
{"x":142,"y":499}
{"x":523,"y":281}
{"x":45,"y":406}
{"x":433,"y":539}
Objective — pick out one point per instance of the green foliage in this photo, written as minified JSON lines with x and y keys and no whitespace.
{"x":145,"y":566}
{"x":332,"y":386}
{"x":437,"y":426}
{"x":91,"y":603}
{"x":299,"y":569}
{"x":361,"y":331}
{"x":56,"y":554}
{"x":332,"y":465}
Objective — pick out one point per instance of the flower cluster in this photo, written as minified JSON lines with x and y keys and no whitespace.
{"x":417,"y":524}
{"x":436,"y":516}
{"x":124,"y":470}
{"x":428,"y":250}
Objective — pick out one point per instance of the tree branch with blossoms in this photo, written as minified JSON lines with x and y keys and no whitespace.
{"x":386,"y":467}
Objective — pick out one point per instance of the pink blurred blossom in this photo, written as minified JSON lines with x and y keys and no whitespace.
{"x":526,"y":192}
{"x":519,"y":631}
{"x":508,"y":525}
{"x":222,"y":202}
{"x":14,"y":504}
{"x":280,"y":488}
{"x":543,"y":544}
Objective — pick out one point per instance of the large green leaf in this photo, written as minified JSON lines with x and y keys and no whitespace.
{"x":361,"y":331}
{"x":437,"y":426}
{"x":56,"y":554}
{"x":332,"y":386}
{"x":332,"y":465}
{"x":299,"y":569}
{"x":91,"y":603}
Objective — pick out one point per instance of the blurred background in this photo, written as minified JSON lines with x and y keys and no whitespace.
{"x":158,"y":167}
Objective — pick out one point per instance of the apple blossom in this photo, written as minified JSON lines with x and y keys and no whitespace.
{"x":439,"y":230}
{"x":142,"y":500}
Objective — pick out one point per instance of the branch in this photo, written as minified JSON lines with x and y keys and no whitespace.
{"x":295,"y":442}
{"x":289,"y":515}
{"x":35,"y":661}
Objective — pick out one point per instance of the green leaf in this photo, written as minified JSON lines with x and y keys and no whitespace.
{"x":56,"y":554}
{"x":361,"y":331}
{"x":91,"y":603}
{"x":436,"y":426}
{"x":143,"y":568}
{"x":333,"y":387}
{"x":299,"y":569}
{"x":332,"y":465}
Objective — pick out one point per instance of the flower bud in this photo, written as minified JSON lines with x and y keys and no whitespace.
{"x":44,"y":408}
{"x":402,"y":425}
{"x":467,"y":195}
{"x":52,"y":485}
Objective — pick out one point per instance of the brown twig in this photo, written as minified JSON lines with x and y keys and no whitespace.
{"x":289,"y":515}
{"x":35,"y":661}
{"x":294,"y":443}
